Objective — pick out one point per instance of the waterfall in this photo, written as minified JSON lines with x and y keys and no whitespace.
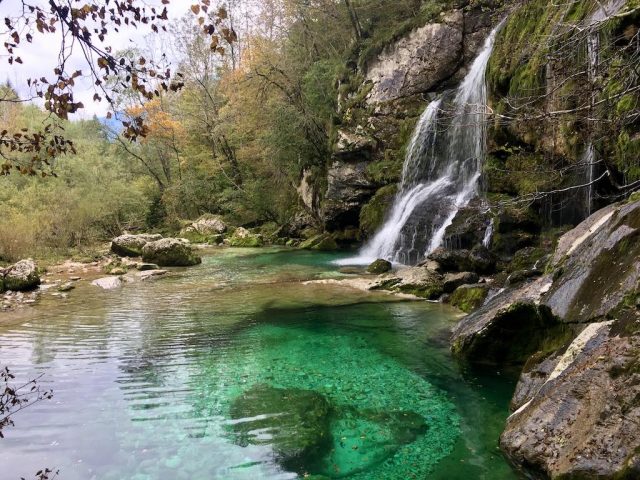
{"x":441,"y":171}
{"x":488,"y":234}
{"x":602,"y":13}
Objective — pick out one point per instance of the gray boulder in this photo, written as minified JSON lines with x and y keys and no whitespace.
{"x":21,"y":276}
{"x":107,"y":283}
{"x":170,"y":252}
{"x":131,"y":245}
{"x":578,"y":416}
{"x":596,"y":265}
{"x":509,"y":328}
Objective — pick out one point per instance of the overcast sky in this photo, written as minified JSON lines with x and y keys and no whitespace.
{"x":40,"y":56}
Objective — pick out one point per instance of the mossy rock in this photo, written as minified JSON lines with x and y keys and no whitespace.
{"x":2,"y":288}
{"x":373,"y":213}
{"x":170,"y":252}
{"x":526,"y":259}
{"x":469,"y":297}
{"x":295,"y":423}
{"x":323,"y":242}
{"x":379,"y":266}
{"x":242,"y":238}
{"x":22,"y":276}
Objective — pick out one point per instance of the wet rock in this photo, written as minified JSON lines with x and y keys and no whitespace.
{"x":416,"y":281}
{"x":349,"y":188}
{"x":147,"y":274}
{"x":596,"y":265}
{"x":419,"y":61}
{"x":131,"y":245}
{"x":379,"y":266}
{"x":108,"y":283}
{"x":509,"y":328}
{"x":468,"y":228}
{"x":245,"y":239}
{"x":479,"y":260}
{"x":143,"y":267}
{"x":521,"y":276}
{"x":323,"y":242}
{"x":22,"y":276}
{"x":581,"y":420}
{"x":469,"y":298}
{"x":170,"y":252}
{"x":295,"y":423}
{"x":455,"y":280}
{"x":66,"y":287}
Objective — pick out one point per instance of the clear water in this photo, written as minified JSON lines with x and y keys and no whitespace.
{"x":236,"y":369}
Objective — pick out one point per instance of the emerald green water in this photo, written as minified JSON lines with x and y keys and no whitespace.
{"x":238,"y":369}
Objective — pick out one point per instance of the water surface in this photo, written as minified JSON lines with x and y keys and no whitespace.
{"x":236,"y":369}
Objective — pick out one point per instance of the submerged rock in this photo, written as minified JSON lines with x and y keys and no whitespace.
{"x":243,"y":238}
{"x":131,"y":245}
{"x":379,"y":266}
{"x":580,"y":418}
{"x":295,"y":423}
{"x":170,"y":252}
{"x":107,"y":283}
{"x":21,"y":276}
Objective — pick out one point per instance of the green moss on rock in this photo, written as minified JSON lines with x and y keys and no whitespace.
{"x":323,"y":242}
{"x":469,"y":297}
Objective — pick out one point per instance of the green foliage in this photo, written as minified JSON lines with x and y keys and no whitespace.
{"x":93,"y":198}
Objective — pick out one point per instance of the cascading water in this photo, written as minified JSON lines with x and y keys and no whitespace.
{"x":602,"y":13}
{"x":441,"y":172}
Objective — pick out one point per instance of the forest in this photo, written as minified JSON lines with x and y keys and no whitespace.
{"x":320,"y":239}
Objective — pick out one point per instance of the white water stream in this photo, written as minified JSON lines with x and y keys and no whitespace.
{"x":441,"y":172}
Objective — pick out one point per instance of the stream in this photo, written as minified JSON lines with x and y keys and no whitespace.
{"x":238,"y":369}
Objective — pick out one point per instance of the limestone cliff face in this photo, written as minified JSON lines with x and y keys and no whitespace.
{"x":377,"y":118}
{"x":418,"y":62}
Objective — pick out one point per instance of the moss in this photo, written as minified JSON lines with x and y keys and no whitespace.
{"x":469,"y":298}
{"x":428,"y":291}
{"x":373,"y":213}
{"x":379,"y":266}
{"x":323,"y":242}
{"x":249,"y":241}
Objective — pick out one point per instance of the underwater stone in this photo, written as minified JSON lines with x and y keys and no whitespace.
{"x":294,"y":422}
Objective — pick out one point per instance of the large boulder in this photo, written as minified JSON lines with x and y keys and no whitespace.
{"x":418,"y":62}
{"x":579,"y":418}
{"x":596,"y":265}
{"x":244,"y":238}
{"x":170,"y":252}
{"x":206,"y":229}
{"x":131,"y":245}
{"x":478,"y":259}
{"x":21,"y":276}
{"x":509,"y":328}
